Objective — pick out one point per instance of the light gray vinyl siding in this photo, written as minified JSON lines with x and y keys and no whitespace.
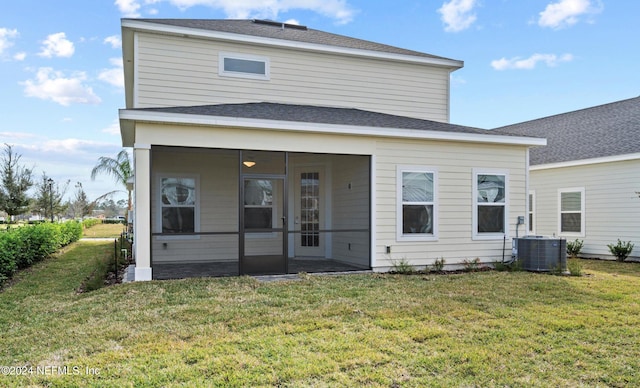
{"x":455,"y":163}
{"x":176,"y":71}
{"x":612,"y":207}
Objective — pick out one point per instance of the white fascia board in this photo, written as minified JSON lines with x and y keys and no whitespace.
{"x":186,"y":31}
{"x":336,"y":129}
{"x":585,"y":162}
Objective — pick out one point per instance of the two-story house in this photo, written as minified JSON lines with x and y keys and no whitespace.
{"x":263,"y":147}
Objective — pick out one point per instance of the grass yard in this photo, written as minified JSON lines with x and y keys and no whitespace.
{"x":476,"y":329}
{"x":104,"y":231}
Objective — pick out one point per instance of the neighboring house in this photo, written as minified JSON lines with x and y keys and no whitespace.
{"x":584,"y":184}
{"x":262,"y":147}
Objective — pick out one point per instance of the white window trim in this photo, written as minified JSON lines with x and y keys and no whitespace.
{"x":582,"y":212}
{"x":531,"y":210}
{"x":223,"y":73}
{"x":474,"y":226}
{"x":158,"y":223}
{"x":400,"y":236}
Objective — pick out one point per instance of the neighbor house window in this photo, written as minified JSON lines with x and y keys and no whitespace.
{"x":417,"y":203}
{"x":490,"y":204}
{"x":178,"y":205}
{"x":243,"y":66}
{"x":532,"y":211}
{"x":571,"y":217}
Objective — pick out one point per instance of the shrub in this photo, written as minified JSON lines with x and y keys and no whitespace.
{"x":71,"y":232}
{"x":21,"y":247}
{"x":89,"y":222}
{"x":471,"y":265}
{"x":574,"y":247}
{"x":621,"y":250}
{"x":438,"y":265}
{"x":575,"y":267}
{"x":112,"y":221}
{"x":402,"y":266}
{"x":513,"y":266}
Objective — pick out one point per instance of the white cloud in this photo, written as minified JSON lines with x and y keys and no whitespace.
{"x":128,"y":8}
{"x":6,"y":37}
{"x":114,"y":76}
{"x":70,"y":146}
{"x":114,"y":41}
{"x":457,"y":15}
{"x":20,"y":56}
{"x":531,"y":62}
{"x":53,"y":85}
{"x":57,"y":45}
{"x":339,"y":10}
{"x":8,"y":137}
{"x":565,"y":13}
{"x":113,"y":129}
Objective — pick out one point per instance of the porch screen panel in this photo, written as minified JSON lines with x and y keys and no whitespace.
{"x":310,"y":209}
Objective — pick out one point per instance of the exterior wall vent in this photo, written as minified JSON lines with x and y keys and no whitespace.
{"x":541,"y":254}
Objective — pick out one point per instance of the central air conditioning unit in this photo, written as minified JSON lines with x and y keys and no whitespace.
{"x":541,"y":254}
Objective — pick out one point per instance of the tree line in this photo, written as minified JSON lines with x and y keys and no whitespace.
{"x":17,"y":181}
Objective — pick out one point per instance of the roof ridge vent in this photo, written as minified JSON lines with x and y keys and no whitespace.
{"x":280,"y":24}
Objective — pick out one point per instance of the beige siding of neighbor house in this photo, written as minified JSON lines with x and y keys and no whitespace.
{"x":179,"y":71}
{"x":455,"y":163}
{"x":612,"y":207}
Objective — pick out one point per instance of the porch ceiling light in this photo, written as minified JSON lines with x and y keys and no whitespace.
{"x":249,"y":163}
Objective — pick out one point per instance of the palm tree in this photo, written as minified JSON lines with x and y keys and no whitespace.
{"x":119,"y":168}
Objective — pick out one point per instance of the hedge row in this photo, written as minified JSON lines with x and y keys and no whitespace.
{"x":89,"y":222}
{"x":21,"y":247}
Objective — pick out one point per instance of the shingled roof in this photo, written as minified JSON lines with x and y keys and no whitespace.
{"x":318,"y":114}
{"x":600,"y":131}
{"x":283,"y":31}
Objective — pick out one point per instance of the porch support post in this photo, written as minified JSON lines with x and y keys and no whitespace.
{"x":142,"y":209}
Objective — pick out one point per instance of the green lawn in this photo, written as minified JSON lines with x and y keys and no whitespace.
{"x":104,"y":231}
{"x":476,"y":329}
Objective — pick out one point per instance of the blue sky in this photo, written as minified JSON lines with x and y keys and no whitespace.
{"x":61,"y":78}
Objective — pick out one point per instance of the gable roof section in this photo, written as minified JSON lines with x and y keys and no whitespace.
{"x":280,"y":32}
{"x":315,"y":119}
{"x":598,"y":132}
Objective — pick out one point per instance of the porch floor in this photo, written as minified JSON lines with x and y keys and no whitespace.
{"x":217,"y":269}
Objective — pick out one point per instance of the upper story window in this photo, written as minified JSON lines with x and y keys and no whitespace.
{"x":243,"y":66}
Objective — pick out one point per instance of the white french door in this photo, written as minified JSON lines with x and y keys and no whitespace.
{"x":309,"y":208}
